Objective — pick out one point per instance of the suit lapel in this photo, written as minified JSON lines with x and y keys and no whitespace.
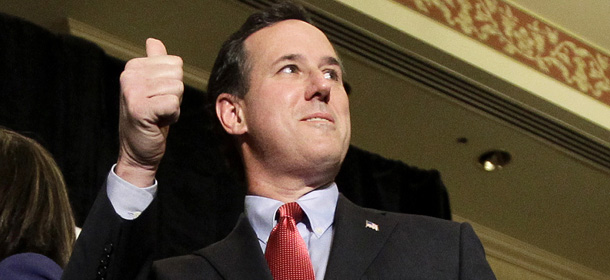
{"x":356,"y":244}
{"x":239,"y":255}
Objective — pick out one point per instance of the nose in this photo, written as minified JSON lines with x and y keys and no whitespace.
{"x":319,"y":87}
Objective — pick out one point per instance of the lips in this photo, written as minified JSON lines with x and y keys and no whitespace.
{"x":319,"y":117}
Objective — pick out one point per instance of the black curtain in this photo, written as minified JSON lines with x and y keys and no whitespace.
{"x":63,"y":91}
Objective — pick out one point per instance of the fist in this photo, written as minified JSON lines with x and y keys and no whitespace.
{"x":151,"y":93}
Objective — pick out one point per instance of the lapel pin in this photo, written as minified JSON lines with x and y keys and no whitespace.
{"x":371,"y":225}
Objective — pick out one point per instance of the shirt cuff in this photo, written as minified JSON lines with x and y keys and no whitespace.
{"x":128,"y":200}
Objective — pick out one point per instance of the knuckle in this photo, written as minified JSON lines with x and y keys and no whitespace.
{"x":134,"y":63}
{"x":180,"y":87}
{"x":177,"y":60}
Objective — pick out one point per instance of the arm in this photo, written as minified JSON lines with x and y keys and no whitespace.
{"x":110,"y":244}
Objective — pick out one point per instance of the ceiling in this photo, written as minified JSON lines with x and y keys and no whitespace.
{"x":548,"y":196}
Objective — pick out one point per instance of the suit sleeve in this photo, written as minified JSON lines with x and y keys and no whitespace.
{"x":110,"y":247}
{"x":473,"y":264}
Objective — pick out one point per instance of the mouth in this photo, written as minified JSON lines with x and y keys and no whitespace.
{"x":319,"y":117}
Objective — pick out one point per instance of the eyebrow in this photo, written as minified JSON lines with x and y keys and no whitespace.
{"x":327,"y":60}
{"x":330,"y":60}
{"x":289,"y":57}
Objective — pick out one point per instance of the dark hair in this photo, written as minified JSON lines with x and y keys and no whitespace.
{"x":230,"y":73}
{"x":35,"y":213}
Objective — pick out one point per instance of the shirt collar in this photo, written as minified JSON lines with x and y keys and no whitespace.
{"x":319,"y":205}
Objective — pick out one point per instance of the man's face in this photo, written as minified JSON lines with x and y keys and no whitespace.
{"x":296,"y":110}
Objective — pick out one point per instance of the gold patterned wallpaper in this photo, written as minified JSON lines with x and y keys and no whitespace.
{"x":525,"y":38}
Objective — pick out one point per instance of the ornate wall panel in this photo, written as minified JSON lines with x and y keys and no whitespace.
{"x":525,"y":38}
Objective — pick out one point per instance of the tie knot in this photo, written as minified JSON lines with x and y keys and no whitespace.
{"x":292,"y":210}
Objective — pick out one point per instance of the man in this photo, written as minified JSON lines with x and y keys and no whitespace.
{"x":277,"y":89}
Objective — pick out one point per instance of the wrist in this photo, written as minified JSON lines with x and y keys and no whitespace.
{"x":137,"y":175}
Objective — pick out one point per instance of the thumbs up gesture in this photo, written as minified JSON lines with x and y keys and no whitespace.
{"x":151,"y":93}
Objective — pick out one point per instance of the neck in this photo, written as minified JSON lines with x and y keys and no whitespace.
{"x":283,"y":188}
{"x":284,"y":180}
{"x":282,"y":194}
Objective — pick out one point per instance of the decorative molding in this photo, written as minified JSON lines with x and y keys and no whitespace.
{"x":116,"y":47}
{"x":530,"y":258}
{"x":526,"y":39}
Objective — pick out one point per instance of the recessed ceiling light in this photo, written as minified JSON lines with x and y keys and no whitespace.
{"x":494,"y":160}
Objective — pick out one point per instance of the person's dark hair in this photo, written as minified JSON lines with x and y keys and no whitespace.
{"x":35,"y":213}
{"x":230,"y":73}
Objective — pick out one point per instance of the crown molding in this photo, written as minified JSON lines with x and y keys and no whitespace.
{"x":527,"y":39}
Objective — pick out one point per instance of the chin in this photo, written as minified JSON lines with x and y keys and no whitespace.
{"x":329,"y":164}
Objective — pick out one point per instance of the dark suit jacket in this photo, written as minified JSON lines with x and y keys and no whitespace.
{"x":111,"y":248}
{"x":404,"y":247}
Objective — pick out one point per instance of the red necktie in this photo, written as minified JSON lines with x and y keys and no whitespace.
{"x":286,"y":251}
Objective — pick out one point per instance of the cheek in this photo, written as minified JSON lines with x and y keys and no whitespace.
{"x":342,"y":106}
{"x":346,"y":107}
{"x":345,"y":113}
{"x":267,"y":116}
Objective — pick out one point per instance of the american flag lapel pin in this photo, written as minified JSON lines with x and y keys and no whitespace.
{"x":371,"y":225}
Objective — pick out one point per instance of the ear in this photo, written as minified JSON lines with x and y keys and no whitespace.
{"x":229,"y":110}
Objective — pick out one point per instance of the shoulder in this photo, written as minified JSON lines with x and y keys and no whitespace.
{"x":420,"y":229}
{"x":425,"y":223}
{"x":408,"y":245}
{"x":346,"y":208}
{"x":425,"y":226}
{"x":29,"y":266}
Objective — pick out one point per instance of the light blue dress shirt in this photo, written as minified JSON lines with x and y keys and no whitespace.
{"x":128,"y":200}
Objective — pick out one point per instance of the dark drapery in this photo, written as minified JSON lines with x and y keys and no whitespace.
{"x":63,"y":91}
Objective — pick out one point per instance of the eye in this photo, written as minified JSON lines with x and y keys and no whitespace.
{"x":289,"y":69}
{"x":331,"y":75}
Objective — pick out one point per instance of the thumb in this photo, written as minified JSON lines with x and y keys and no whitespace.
{"x":155,"y":47}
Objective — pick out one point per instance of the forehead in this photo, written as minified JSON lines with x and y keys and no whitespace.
{"x":286,"y":38}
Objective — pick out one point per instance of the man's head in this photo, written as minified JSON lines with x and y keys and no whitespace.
{"x":291,"y":117}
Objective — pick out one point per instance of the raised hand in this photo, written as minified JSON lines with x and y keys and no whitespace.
{"x":151,"y":93}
